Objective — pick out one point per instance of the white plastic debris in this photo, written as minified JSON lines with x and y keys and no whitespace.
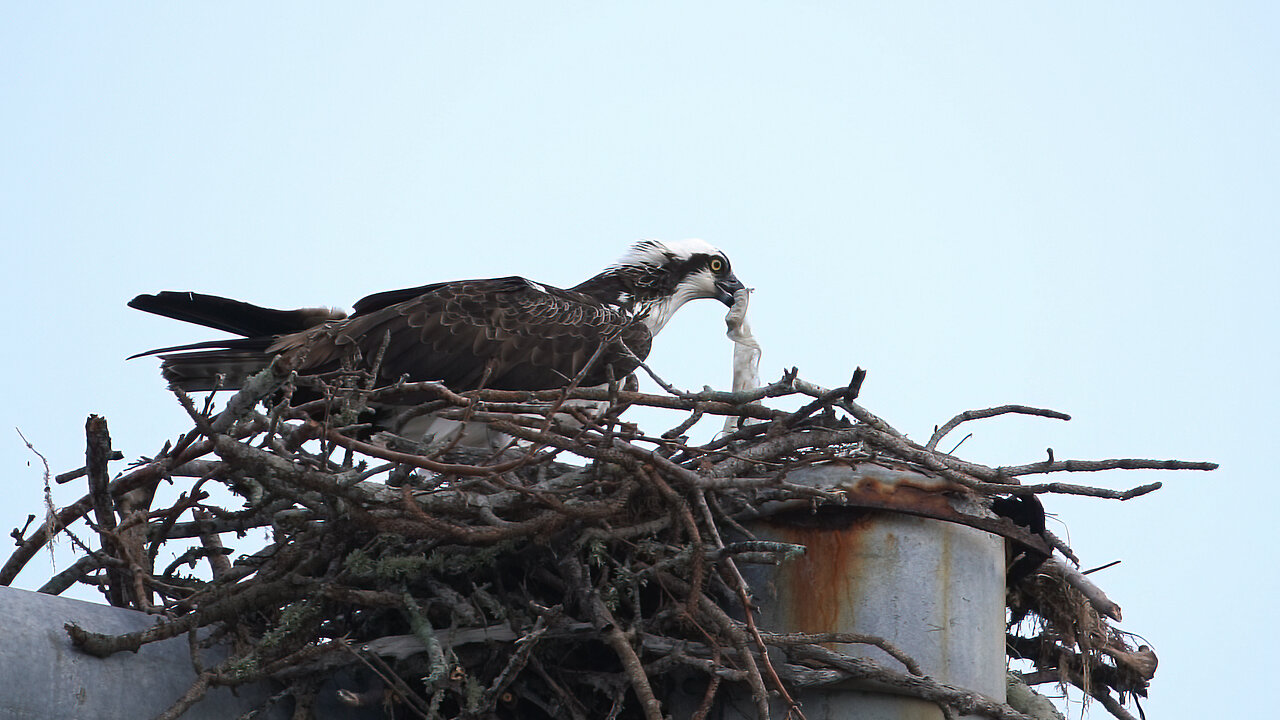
{"x":746,"y":350}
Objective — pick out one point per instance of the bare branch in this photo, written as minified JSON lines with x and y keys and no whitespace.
{"x":968,"y":415}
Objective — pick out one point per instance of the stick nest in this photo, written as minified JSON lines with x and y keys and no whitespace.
{"x":589,"y":571}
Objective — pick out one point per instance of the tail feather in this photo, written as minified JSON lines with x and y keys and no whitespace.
{"x":211,"y":369}
{"x":223,"y":364}
{"x":229,"y":344}
{"x":233,"y":316}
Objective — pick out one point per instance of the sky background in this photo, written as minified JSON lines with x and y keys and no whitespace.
{"x":1069,"y":205}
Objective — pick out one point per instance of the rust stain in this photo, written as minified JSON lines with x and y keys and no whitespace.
{"x":932,"y":499}
{"x":903,"y":495}
{"x":817,"y":589}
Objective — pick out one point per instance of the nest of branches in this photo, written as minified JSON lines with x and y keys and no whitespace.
{"x":583,"y":572}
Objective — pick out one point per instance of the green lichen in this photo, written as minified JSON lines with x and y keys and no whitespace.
{"x":294,"y":618}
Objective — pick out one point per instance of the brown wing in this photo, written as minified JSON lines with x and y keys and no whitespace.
{"x":532,"y":337}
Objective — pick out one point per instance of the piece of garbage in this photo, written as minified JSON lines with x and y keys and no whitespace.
{"x":746,"y":349}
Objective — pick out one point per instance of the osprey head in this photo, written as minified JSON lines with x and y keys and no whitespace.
{"x":655,"y":278}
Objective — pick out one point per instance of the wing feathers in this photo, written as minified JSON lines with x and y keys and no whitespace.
{"x":532,"y":336}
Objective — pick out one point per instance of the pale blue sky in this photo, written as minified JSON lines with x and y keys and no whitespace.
{"x":1071,"y":205}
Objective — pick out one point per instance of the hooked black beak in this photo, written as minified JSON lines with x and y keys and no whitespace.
{"x":726,"y":287}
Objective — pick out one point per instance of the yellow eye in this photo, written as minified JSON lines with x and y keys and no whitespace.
{"x":716,"y":265}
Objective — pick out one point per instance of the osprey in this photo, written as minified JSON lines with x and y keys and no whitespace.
{"x":505,"y":333}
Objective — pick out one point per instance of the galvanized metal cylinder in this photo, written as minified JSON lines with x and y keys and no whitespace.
{"x":43,"y":677}
{"x":934,"y":589}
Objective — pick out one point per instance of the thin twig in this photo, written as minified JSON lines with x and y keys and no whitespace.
{"x":968,"y":415}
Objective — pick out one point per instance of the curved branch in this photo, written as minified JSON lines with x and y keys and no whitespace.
{"x":968,"y":415}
